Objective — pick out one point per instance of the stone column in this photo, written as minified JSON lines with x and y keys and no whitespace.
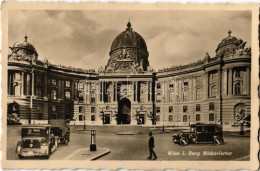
{"x":45,"y":86}
{"x":206,"y":85}
{"x":22,"y":79}
{"x":248,"y":83}
{"x":151,"y":90}
{"x":219,"y":85}
{"x":225,"y":82}
{"x":32,"y":83}
{"x":133,"y":93}
{"x":89,"y":92}
{"x":230,"y":81}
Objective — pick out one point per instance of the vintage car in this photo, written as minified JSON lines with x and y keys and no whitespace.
{"x":60,"y":129}
{"x":200,"y":133}
{"x":37,"y":140}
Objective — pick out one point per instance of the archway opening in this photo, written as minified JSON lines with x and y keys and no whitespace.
{"x":124,"y":111}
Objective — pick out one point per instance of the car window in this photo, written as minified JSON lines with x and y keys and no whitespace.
{"x":211,"y":129}
{"x":201,"y":129}
{"x":33,"y":132}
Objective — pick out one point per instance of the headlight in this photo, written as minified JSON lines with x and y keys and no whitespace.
{"x":43,"y":147}
{"x":31,"y":145}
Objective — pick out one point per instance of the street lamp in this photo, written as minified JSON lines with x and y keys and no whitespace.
{"x":163,"y":110}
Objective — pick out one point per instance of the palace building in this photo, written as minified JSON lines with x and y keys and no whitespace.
{"x":128,"y":91}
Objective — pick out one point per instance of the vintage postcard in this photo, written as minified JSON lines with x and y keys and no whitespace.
{"x":135,"y":86}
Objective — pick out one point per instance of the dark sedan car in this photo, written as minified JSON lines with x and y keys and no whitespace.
{"x":211,"y":133}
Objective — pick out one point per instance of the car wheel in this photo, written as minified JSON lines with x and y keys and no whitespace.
{"x":217,"y":141}
{"x":20,"y":156}
{"x":184,"y":141}
{"x":193,"y":138}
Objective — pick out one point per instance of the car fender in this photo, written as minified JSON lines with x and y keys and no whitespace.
{"x":18,"y":147}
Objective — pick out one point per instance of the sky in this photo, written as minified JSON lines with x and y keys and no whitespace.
{"x":83,"y":38}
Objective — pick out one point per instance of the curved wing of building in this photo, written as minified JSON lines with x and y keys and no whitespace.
{"x":128,"y":91}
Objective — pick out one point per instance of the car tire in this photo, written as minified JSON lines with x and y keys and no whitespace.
{"x":20,"y":156}
{"x":218,"y":141}
{"x":184,"y":141}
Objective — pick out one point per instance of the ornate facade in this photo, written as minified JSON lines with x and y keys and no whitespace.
{"x":128,"y":91}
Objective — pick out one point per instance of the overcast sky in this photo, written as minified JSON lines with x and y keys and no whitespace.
{"x":83,"y":38}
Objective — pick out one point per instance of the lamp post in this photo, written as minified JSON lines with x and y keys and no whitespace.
{"x":163,"y":110}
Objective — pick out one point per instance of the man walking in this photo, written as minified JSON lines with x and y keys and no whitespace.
{"x":151,"y":146}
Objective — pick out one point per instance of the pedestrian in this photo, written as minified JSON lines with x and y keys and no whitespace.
{"x":151,"y":146}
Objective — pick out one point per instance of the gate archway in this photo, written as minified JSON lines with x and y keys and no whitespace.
{"x":124,"y":111}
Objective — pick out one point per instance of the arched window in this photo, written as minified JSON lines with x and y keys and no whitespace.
{"x":213,"y":91}
{"x":238,"y":88}
{"x":211,"y":117}
{"x":67,"y":95}
{"x":53,"y":94}
{"x":17,"y":90}
{"x":198,"y":94}
{"x":197,"y":117}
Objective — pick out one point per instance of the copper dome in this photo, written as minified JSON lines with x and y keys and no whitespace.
{"x":128,"y":38}
{"x":230,"y":41}
{"x":25,"y":47}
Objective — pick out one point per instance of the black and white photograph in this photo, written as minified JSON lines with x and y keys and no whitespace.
{"x":130,"y":85}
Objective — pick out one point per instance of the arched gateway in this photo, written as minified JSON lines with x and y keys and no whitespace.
{"x":124,"y":111}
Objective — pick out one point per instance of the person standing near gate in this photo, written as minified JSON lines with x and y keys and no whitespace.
{"x":151,"y":146}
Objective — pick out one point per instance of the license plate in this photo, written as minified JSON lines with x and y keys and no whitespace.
{"x":29,"y":153}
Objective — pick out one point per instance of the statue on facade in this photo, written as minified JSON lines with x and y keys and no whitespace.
{"x":100,"y":70}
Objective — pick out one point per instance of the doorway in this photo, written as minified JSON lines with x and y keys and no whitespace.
{"x":124,"y":111}
{"x":107,"y":119}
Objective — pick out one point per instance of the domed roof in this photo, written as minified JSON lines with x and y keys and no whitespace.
{"x":230,"y":40}
{"x":25,"y":46}
{"x":128,"y":38}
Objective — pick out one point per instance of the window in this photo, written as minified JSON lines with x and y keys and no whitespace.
{"x":238,"y":88}
{"x":17,"y":90}
{"x":80,"y":117}
{"x":211,"y":106}
{"x":93,"y":100}
{"x":93,"y":109}
{"x":158,"y":109}
{"x":38,"y":79}
{"x":185,"y":108}
{"x":211,"y":117}
{"x":170,"y":118}
{"x":53,"y":94}
{"x":93,"y":117}
{"x":185,"y":118}
{"x":171,"y":85}
{"x":53,"y":108}
{"x":53,"y":81}
{"x":213,"y":91}
{"x":158,"y":85}
{"x":199,"y":94}
{"x":67,"y":84}
{"x":80,"y":109}
{"x":38,"y":92}
{"x":170,"y":109}
{"x":237,"y":73}
{"x":197,"y":107}
{"x":197,"y":117}
{"x":67,"y":95}
{"x":17,"y":76}
{"x":157,"y":117}
{"x":185,"y":90}
{"x":80,"y":86}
